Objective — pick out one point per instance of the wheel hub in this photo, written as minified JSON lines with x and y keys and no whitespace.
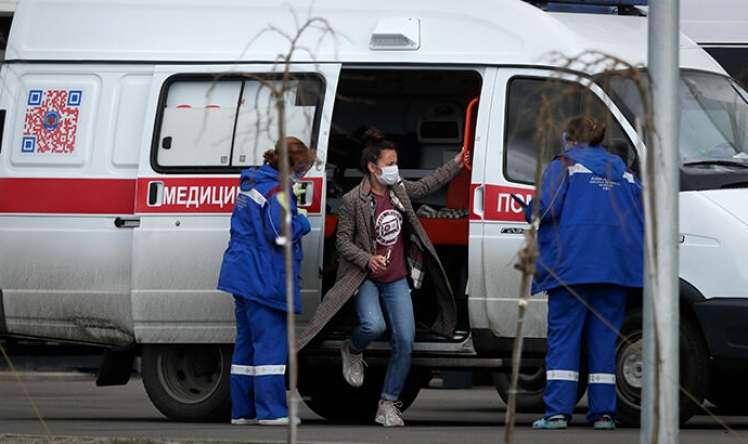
{"x":190,"y":374}
{"x":632,"y":364}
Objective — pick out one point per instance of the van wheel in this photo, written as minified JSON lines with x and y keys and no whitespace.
{"x":531,"y":386}
{"x":325,"y":391}
{"x":694,"y":369}
{"x":188,"y":382}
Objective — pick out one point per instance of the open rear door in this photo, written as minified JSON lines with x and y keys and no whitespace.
{"x":209,"y":123}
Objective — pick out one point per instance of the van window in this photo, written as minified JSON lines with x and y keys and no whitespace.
{"x":537,"y":111}
{"x":209,"y":125}
{"x":256,"y":126}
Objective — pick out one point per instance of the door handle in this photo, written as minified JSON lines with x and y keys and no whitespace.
{"x":478,"y":201}
{"x":127,"y":222}
{"x":155,"y":193}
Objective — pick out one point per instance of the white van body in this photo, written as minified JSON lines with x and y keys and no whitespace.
{"x":109,"y":237}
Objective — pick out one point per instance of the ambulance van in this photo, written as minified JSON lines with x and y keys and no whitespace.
{"x":125,"y":126}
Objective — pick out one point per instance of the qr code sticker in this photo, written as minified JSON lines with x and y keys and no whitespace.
{"x":51,"y":124}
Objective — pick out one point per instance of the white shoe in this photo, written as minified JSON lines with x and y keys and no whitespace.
{"x":353,"y":365}
{"x":389,"y":414}
{"x":277,"y":421}
{"x":243,"y":421}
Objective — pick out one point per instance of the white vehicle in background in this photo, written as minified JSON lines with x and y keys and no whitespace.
{"x":7,"y":7}
{"x":721,"y":28}
{"x":123,"y":136}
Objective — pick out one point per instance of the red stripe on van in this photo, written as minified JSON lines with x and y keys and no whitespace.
{"x":202,"y":195}
{"x":499,"y":205}
{"x":73,"y":196}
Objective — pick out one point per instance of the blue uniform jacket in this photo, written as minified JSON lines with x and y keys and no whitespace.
{"x":253,"y":264}
{"x":591,"y":221}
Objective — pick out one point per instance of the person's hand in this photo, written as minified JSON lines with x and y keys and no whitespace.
{"x":303,"y":212}
{"x":377,"y":263}
{"x":302,"y":217}
{"x":460,"y":159}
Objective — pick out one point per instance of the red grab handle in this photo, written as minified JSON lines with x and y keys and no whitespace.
{"x":469,"y":134}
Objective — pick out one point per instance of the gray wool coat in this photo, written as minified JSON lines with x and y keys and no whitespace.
{"x":355,"y":246}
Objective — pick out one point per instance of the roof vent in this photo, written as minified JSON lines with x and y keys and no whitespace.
{"x":402,"y":34}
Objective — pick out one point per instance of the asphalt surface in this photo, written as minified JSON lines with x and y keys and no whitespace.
{"x":73,"y":406}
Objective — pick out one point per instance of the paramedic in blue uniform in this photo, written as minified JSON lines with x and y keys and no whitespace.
{"x":591,"y":254}
{"x":253,"y":271}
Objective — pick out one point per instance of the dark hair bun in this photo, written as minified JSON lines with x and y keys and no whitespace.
{"x":374,"y":143}
{"x":271,"y":158}
{"x":373,"y":135}
{"x":585,"y":129}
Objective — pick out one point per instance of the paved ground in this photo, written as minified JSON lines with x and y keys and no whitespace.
{"x":76,"y":407}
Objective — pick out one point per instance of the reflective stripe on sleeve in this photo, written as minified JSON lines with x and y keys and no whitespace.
{"x":562,"y":375}
{"x":602,"y":378}
{"x":578,"y":168}
{"x":255,"y":196}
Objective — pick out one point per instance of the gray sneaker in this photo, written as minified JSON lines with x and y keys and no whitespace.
{"x":243,"y":421}
{"x":353,"y":365}
{"x":277,"y":421}
{"x":389,"y":414}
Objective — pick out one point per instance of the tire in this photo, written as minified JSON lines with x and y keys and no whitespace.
{"x":531,"y":386}
{"x":325,"y":391}
{"x":188,"y":382}
{"x":694,"y":369}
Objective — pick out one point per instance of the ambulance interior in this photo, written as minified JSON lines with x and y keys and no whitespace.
{"x":425,"y":113}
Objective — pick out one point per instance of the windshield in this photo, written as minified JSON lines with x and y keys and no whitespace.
{"x":714,"y":115}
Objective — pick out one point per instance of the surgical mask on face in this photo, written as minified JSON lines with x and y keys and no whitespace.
{"x":390,"y":175}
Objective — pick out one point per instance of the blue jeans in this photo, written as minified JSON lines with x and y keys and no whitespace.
{"x":371,"y":325}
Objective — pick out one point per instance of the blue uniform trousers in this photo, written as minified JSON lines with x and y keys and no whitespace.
{"x":258,"y":381}
{"x":569,"y":321}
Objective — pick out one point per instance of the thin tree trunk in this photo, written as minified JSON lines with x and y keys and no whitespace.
{"x":288,"y":255}
{"x":526,"y":264}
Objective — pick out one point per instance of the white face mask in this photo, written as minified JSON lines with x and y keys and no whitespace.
{"x":390,"y":175}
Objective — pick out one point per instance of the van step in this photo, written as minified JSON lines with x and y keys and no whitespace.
{"x":435,"y":362}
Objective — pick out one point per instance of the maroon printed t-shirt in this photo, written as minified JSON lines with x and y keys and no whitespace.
{"x":388,"y":236}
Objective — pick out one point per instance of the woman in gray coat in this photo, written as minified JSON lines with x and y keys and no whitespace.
{"x":381,"y":244}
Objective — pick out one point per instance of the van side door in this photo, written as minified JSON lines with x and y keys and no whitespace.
{"x":530,"y":110}
{"x":209,"y":123}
